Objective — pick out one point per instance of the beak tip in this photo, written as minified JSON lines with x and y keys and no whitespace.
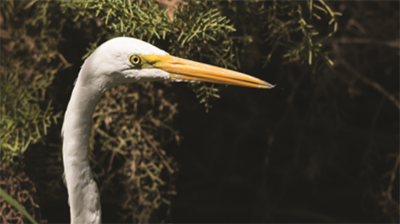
{"x":267,"y":86}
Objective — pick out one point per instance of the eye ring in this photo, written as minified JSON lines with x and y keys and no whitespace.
{"x":135,"y":60}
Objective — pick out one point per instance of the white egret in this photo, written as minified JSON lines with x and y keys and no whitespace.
{"x":117,"y":61}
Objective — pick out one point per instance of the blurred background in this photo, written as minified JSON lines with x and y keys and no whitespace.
{"x":322,"y":146}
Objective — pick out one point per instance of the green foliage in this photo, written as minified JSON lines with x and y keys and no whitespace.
{"x":206,"y":94}
{"x":282,"y":31}
{"x":10,"y":200}
{"x":299,"y":29}
{"x":18,"y":199}
{"x":28,"y":65}
{"x":23,"y":122}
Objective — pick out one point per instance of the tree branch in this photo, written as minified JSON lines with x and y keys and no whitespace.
{"x":345,"y":40}
{"x":366,"y":80}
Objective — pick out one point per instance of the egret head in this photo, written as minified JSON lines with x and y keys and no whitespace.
{"x":123,"y":60}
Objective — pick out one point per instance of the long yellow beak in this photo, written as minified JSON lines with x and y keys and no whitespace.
{"x":183,"y":69}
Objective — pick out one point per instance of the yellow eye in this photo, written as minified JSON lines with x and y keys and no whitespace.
{"x":135,"y":60}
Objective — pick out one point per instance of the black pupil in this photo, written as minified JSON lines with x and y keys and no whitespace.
{"x":135,"y":59}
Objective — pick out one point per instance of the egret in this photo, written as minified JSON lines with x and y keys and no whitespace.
{"x":117,"y":61}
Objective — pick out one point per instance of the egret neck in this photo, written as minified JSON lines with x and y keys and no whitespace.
{"x":81,"y":186}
